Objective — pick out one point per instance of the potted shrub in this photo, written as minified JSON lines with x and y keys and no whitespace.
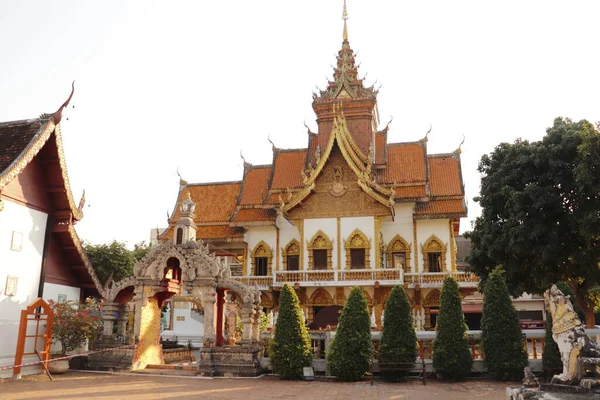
{"x":74,"y":323}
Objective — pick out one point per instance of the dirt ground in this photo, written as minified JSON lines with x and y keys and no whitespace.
{"x":81,"y":385}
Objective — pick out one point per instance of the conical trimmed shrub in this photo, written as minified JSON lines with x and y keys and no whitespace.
{"x":551,"y":357}
{"x":505,"y":354}
{"x":451,"y":353}
{"x":399,"y":339}
{"x":350,"y":352}
{"x":290,"y":349}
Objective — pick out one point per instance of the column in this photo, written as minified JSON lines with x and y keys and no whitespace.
{"x":220,"y":316}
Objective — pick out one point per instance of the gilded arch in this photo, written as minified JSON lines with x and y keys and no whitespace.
{"x":431,"y":300}
{"x":319,"y":241}
{"x":357,"y":240}
{"x":399,"y":245}
{"x":320,"y":297}
{"x":262,"y":249}
{"x":433,"y":245}
{"x":291,"y":249}
{"x":266,"y":301}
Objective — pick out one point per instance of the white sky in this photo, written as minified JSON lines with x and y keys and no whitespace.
{"x":187,"y":84}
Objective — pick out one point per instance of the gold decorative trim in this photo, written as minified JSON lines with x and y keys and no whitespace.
{"x":262,"y":249}
{"x":378,"y":241}
{"x":301,"y":229}
{"x":319,"y":241}
{"x":339,"y":243}
{"x":290,"y":249}
{"x":434,"y":245}
{"x":453,"y":249}
{"x":85,"y":259}
{"x":416,"y":269}
{"x":277,"y":254}
{"x":357,"y":240}
{"x":399,"y":245}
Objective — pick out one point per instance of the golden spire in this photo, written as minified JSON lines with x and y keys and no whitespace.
{"x":345,"y":17}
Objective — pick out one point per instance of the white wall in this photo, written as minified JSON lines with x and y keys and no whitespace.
{"x":329,"y":227}
{"x":287,"y":232}
{"x":253,"y":237}
{"x":24,"y":264}
{"x":52,"y":290}
{"x":366,"y":226}
{"x":402,"y":225}
{"x":439,"y":228}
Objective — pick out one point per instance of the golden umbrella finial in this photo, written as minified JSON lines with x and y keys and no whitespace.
{"x":345,"y":17}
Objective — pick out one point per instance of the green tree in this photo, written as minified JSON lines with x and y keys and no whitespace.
{"x":290,"y":349}
{"x":540,"y":220}
{"x":399,"y":339}
{"x":505,"y":354}
{"x":551,"y":356}
{"x":350,"y":353}
{"x":140,"y":250}
{"x":451,"y":353}
{"x":110,"y":259}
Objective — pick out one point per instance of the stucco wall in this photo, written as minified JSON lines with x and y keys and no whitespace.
{"x":402,"y":225}
{"x":439,"y":228}
{"x":253,"y":237}
{"x":367,"y":227}
{"x":24,"y":264}
{"x":52,"y":290}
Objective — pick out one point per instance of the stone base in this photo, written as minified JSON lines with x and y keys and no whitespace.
{"x":113,"y":360}
{"x":230,"y":361}
{"x":551,"y":392}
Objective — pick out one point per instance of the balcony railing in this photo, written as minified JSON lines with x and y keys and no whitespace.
{"x":436,"y":279}
{"x":389,"y":276}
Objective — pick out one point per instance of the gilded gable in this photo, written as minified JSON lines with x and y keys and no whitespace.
{"x":337,"y":194}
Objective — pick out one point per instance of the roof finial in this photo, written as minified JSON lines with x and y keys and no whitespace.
{"x":273,"y":147}
{"x":459,"y":150}
{"x":426,"y":138}
{"x":182,"y":182}
{"x":57,"y":116}
{"x":345,"y":17}
{"x":246,"y":164}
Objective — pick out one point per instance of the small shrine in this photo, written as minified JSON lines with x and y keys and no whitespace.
{"x":184,"y":267}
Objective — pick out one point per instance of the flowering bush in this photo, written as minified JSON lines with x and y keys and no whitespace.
{"x":74,"y":323}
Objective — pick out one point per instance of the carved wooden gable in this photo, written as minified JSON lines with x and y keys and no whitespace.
{"x":337,"y":194}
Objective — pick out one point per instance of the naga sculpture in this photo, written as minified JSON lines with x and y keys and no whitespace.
{"x":574,"y":344}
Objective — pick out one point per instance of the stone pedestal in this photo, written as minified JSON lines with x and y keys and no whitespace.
{"x":551,"y":392}
{"x":230,"y":361}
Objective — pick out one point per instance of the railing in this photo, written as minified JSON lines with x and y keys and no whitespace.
{"x":370,"y":275}
{"x":263,"y":282}
{"x":426,"y":279}
{"x":282,"y":277}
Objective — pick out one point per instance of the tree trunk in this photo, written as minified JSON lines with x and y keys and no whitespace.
{"x":586,"y":309}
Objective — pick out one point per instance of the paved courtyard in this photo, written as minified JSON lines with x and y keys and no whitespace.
{"x":78,"y":385}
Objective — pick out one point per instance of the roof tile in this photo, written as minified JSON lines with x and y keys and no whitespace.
{"x":410,"y":192}
{"x":14,"y":138}
{"x":288,"y":165}
{"x":444,"y":177}
{"x":214,"y":202}
{"x":441,"y":207}
{"x":405,"y":163}
{"x":255,"y":214}
{"x":218,"y":232}
{"x":256,"y":184}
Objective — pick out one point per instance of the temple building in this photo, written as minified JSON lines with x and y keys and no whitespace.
{"x":41,"y":254}
{"x":348,"y":209}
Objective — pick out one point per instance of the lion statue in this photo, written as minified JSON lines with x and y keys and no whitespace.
{"x":573,"y":342}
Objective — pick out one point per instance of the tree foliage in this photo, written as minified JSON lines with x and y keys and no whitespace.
{"x":540,"y":219}
{"x":290,"y":349}
{"x":551,"y":359}
{"x":399,"y":339}
{"x":505,"y":354}
{"x":74,"y":323}
{"x":140,"y":250}
{"x":111,"y":259}
{"x":350,"y":353}
{"x":451,"y":353}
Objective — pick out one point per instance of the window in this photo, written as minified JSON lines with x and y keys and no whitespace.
{"x":399,"y":260}
{"x":261,"y":266}
{"x":357,"y":258}
{"x":293,"y":263}
{"x":320,"y":259}
{"x":435,"y":262}
{"x":179,"y":236}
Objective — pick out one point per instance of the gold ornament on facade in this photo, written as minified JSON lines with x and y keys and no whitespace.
{"x":357,"y":240}
{"x":434,"y":245}
{"x":319,"y":241}
{"x":262,"y":249}
{"x":320,"y":297}
{"x":291,"y":249}
{"x":399,"y":245}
